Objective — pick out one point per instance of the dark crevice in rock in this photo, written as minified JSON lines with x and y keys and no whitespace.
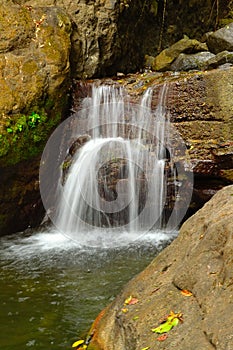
{"x":126,"y":333}
{"x":166,"y":268}
{"x":202,"y":314}
{"x":209,"y":339}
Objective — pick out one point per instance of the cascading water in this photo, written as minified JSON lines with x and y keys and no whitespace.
{"x":116,"y":180}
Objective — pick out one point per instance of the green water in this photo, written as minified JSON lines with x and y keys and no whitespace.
{"x":51,"y":289}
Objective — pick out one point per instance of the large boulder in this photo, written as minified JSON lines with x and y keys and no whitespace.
{"x":199,"y":262}
{"x":192,"y":61}
{"x":34,"y":83}
{"x":35,"y":67}
{"x":221,"y":39}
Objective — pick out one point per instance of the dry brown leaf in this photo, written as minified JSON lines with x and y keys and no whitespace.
{"x":162,"y":337}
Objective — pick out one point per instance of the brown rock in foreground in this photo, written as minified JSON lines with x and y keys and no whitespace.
{"x":199,"y":260}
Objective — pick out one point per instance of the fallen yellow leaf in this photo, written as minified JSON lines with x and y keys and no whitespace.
{"x":131,"y":300}
{"x":124,"y":310}
{"x":77,"y":343}
{"x":186,"y":293}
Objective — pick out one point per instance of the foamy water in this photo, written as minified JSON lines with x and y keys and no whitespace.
{"x":26,"y":245}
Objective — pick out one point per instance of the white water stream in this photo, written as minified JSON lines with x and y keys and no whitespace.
{"x":126,"y":138}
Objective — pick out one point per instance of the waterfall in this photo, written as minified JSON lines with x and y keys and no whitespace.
{"x":116,"y":180}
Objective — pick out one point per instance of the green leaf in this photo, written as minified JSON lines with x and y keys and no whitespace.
{"x":19,"y":127}
{"x":9,"y":130}
{"x":171,"y":321}
{"x":174,"y":322}
{"x":163,"y":328}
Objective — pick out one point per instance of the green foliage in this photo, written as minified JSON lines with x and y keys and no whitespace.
{"x":24,"y":123}
{"x":34,"y":119}
{"x":25,"y":136}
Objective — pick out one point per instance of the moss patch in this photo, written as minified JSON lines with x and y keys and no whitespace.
{"x":24,"y":137}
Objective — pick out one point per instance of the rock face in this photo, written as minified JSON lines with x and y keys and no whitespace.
{"x":34,"y":81}
{"x":112,"y":36}
{"x":21,"y":205}
{"x":200,"y":261}
{"x":107,"y":35}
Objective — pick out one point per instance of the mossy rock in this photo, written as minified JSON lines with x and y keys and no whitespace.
{"x":34,"y":86}
{"x":34,"y":78}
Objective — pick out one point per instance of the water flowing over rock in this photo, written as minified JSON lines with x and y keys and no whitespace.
{"x":199,"y":261}
{"x":200,"y":105}
{"x":125,"y":177}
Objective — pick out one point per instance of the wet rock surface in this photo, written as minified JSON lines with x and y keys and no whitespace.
{"x":21,"y":205}
{"x":199,"y":261}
